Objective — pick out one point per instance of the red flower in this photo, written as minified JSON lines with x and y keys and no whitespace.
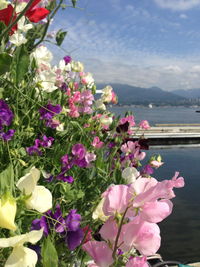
{"x":36,"y":14}
{"x":8,"y":15}
{"x":88,"y":233}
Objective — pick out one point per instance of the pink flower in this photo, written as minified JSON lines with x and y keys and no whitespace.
{"x":100,"y":252}
{"x":143,"y":236}
{"x":117,"y":198}
{"x":129,"y":119}
{"x":156,"y":164}
{"x":109,"y":230}
{"x":97,"y":143}
{"x":137,"y":262}
{"x":144,"y":125}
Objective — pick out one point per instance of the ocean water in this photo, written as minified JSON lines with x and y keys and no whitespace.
{"x":161,"y":114}
{"x":180,"y":232}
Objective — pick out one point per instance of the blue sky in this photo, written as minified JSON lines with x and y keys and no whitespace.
{"x":138,"y":42}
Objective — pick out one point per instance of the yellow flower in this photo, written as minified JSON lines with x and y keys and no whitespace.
{"x":8,"y":210}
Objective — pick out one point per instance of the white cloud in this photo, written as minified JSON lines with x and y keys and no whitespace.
{"x":183,"y":16}
{"x":173,"y":69}
{"x":177,"y":5}
{"x":113,"y":56}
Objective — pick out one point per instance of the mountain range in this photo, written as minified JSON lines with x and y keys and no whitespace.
{"x":128,"y":95}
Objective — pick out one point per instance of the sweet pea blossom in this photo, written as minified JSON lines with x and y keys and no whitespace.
{"x":17,"y":39}
{"x":98,"y":212}
{"x":107,"y":94}
{"x":130,"y":174}
{"x":21,"y":256}
{"x":42,"y":55}
{"x":8,"y":210}
{"x":100,"y":252}
{"x":137,"y":262}
{"x":40,"y":197}
{"x":144,"y":124}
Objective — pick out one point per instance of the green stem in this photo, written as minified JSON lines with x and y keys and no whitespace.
{"x":118,"y":234}
{"x":47,"y":24}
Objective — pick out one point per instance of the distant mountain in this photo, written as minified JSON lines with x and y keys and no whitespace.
{"x":136,"y":95}
{"x":190,"y":93}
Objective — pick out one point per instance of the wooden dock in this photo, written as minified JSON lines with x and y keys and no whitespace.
{"x":171,"y":134}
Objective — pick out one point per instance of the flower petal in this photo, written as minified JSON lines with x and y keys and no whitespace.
{"x":22,"y":257}
{"x":40,"y":200}
{"x":19,"y":240}
{"x":29,"y":181}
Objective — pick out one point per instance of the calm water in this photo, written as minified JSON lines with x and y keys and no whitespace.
{"x":180,"y":232}
{"x":161,"y":114}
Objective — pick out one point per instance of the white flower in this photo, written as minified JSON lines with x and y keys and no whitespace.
{"x":107,"y":94}
{"x":42,"y":55}
{"x":47,"y":79}
{"x":87,"y":79}
{"x":60,"y":127}
{"x":77,"y":66}
{"x":100,"y":105}
{"x":17,"y":39}
{"x":22,"y":26}
{"x":3,"y":4}
{"x":105,"y":120}
{"x":130,"y":174}
{"x":41,"y":198}
{"x":21,"y":256}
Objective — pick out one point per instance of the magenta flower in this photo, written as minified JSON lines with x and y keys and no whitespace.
{"x":67,"y":59}
{"x":79,"y":151}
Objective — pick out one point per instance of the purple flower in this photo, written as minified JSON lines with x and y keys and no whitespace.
{"x":67,"y":59}
{"x":47,"y":112}
{"x":8,"y":135}
{"x":6,"y":114}
{"x":147,"y":169}
{"x":33,"y":150}
{"x":74,"y":238}
{"x":62,"y":177}
{"x":46,"y":141}
{"x":82,"y":163}
{"x":37,"y":224}
{"x":64,"y":87}
{"x":73,"y":220}
{"x":79,"y":151}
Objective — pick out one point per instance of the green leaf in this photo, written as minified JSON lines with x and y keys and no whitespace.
{"x":74,"y":3}
{"x":6,"y":179}
{"x":5,"y":62}
{"x":60,"y":36}
{"x":49,"y":253}
{"x":21,"y":63}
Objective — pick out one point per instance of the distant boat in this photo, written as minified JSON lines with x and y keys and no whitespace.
{"x":198,"y":111}
{"x":150,"y":106}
